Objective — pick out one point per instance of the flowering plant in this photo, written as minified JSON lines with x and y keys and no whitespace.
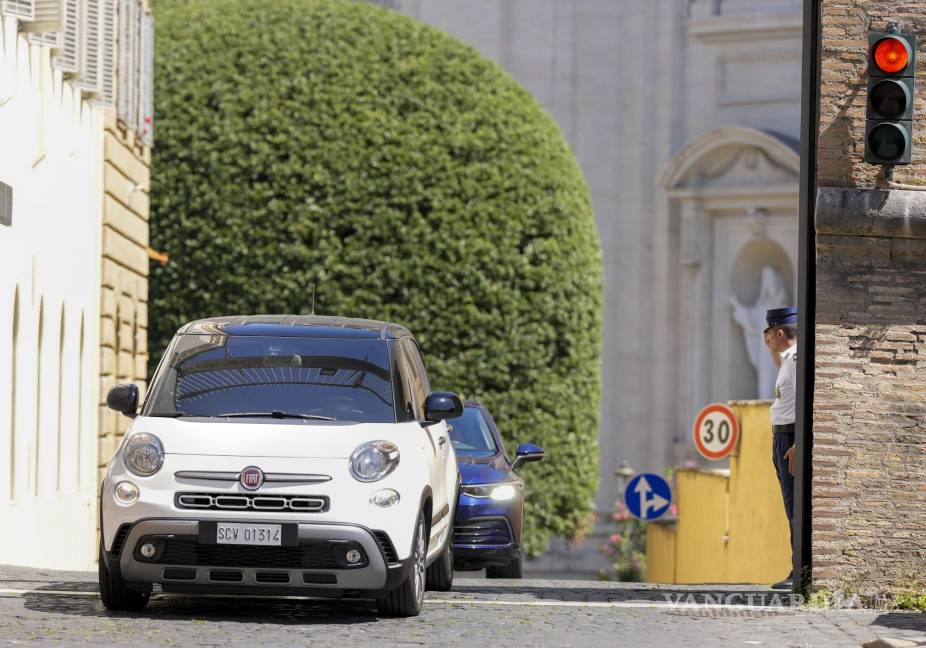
{"x":626,"y":548}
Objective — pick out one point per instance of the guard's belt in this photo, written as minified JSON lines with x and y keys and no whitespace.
{"x":788,"y":428}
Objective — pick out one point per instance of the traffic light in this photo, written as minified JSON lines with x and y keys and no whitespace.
{"x":889,"y":117}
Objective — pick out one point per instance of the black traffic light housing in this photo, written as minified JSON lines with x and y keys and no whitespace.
{"x":889,"y":111}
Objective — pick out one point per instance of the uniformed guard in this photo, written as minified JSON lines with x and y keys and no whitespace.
{"x":781,"y":340}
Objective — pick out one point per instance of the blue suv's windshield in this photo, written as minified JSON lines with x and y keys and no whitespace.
{"x":471,"y":435}
{"x":284,"y":377}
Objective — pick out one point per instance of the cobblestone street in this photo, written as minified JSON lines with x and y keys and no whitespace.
{"x":62,"y":609}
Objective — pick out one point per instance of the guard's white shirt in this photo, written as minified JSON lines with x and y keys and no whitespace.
{"x":785,"y":386}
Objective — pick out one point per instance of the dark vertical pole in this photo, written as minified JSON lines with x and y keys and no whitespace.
{"x":806,"y":299}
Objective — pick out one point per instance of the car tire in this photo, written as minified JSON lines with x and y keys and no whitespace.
{"x":116,"y":595}
{"x":406,"y":600}
{"x":440,"y":573}
{"x":511,"y":570}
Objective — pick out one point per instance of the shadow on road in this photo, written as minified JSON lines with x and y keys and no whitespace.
{"x":687,"y":595}
{"x":204,"y":608}
{"x":902,"y":621}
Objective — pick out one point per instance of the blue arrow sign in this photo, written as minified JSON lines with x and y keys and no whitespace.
{"x":648,"y":496}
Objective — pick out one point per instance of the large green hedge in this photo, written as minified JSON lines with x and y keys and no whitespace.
{"x":415,"y":181}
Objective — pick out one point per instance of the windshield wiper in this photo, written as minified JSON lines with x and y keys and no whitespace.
{"x":278,"y":414}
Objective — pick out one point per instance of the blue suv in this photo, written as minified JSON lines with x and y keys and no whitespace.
{"x":487,"y":526}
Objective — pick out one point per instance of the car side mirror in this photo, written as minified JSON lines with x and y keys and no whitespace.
{"x":526,"y":453}
{"x":441,"y":406}
{"x":123,"y":399}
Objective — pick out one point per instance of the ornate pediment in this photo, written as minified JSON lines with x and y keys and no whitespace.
{"x":732,"y":158}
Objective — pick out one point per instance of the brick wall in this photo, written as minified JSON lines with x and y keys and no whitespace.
{"x":869,"y":463}
{"x":124,"y":296}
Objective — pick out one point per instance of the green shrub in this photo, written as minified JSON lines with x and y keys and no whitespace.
{"x":337,"y":142}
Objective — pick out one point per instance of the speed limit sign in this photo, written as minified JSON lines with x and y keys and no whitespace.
{"x":716,"y":431}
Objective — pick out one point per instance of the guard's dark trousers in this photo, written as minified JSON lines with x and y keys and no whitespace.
{"x":781,"y":441}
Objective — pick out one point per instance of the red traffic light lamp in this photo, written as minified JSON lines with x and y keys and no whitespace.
{"x":891,"y":54}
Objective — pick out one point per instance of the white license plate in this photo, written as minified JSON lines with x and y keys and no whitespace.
{"x":248,"y":534}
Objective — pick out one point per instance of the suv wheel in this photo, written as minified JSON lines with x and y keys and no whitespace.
{"x":511,"y":570}
{"x":440,"y":573}
{"x":406,"y":600}
{"x":116,"y":595}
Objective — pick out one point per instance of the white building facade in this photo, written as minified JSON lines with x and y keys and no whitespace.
{"x":58,"y":85}
{"x":684,"y":115}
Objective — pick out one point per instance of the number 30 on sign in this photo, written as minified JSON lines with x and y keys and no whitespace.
{"x":716,"y":431}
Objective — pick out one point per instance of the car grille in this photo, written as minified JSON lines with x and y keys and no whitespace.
{"x":187,"y":551}
{"x":482,"y":532}
{"x":252,"y":502}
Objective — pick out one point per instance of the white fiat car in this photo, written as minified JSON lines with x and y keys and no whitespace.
{"x":283,"y":455}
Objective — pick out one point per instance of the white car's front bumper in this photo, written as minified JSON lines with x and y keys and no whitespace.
{"x":192,"y":561}
{"x":187,"y":560}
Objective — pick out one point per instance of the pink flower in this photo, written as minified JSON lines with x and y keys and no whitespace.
{"x":673,"y":509}
{"x":616,"y":537}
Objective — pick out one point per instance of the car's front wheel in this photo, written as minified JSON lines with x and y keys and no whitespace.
{"x":406,"y":600}
{"x":511,"y":570}
{"x":440,"y":573}
{"x":116,"y":595}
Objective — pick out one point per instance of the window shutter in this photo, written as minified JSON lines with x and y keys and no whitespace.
{"x":47,"y":16}
{"x":22,"y":9}
{"x":107,"y":58}
{"x":89,"y":53}
{"x":146,"y":81}
{"x":128,"y":44}
{"x":68,"y":49}
{"x":47,"y":39}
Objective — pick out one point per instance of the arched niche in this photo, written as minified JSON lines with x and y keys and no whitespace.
{"x":732,"y":195}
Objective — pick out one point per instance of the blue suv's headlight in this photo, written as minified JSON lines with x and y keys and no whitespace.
{"x":497,"y":492}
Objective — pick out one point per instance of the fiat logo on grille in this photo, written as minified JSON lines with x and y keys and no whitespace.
{"x":251,"y":478}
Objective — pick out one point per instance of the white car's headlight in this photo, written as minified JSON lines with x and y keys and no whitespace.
{"x":143,"y":454}
{"x":373,"y":460}
{"x":497,"y":492}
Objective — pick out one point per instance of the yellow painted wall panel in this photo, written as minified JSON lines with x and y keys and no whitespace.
{"x":759,"y":550}
{"x":660,"y":553}
{"x":701,"y":498}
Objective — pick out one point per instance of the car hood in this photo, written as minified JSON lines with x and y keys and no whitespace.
{"x":260,"y":438}
{"x":475,"y":470}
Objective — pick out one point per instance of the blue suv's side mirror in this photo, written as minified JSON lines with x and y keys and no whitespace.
{"x":526,"y":453}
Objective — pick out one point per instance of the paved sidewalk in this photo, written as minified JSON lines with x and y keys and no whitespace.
{"x":40,"y":607}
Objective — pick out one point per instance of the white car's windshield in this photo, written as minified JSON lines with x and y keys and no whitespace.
{"x":280,"y":377}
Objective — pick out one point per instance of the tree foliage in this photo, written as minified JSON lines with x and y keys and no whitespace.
{"x":303,"y":141}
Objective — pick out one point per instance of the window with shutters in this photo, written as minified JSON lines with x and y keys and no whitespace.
{"x":107,"y":55}
{"x":89,"y":51}
{"x":146,"y":81}
{"x":47,"y":16}
{"x":47,"y":39}
{"x":23,"y":9}
{"x":127,"y":106}
{"x":66,"y":59}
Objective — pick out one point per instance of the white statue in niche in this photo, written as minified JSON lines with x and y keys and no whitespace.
{"x":772,"y":294}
